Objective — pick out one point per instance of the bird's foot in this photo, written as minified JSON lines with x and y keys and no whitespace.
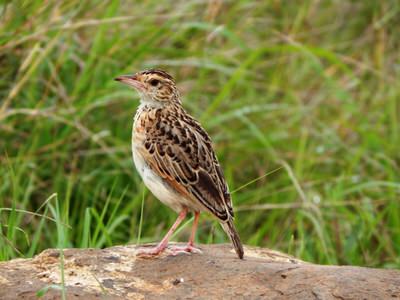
{"x":146,"y":252}
{"x":175,"y":250}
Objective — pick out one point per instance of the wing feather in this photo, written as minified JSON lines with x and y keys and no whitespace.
{"x":185,"y":159}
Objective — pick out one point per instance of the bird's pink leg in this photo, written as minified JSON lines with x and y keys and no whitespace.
{"x":194,"y":228}
{"x":164,"y":242}
{"x":189,"y":248}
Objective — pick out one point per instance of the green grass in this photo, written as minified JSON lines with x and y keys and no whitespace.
{"x":310,"y":87}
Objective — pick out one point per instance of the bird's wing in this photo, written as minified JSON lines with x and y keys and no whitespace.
{"x":179,"y":150}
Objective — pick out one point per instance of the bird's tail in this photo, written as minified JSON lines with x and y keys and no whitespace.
{"x":229,"y":228}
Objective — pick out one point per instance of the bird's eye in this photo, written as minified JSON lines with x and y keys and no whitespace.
{"x":154,"y":82}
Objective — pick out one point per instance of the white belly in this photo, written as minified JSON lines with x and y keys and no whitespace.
{"x":156,"y":185}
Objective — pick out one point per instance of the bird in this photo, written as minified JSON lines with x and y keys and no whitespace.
{"x":175,"y":158}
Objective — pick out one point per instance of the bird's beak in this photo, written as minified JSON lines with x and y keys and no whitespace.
{"x":131,"y":80}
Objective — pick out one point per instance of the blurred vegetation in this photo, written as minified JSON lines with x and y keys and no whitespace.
{"x":310,"y":87}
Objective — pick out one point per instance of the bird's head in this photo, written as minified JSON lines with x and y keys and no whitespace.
{"x":156,"y":87}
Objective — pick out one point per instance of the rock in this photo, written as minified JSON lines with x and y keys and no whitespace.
{"x":116,"y":273}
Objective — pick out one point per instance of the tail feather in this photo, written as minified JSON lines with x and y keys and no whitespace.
{"x":229,"y":228}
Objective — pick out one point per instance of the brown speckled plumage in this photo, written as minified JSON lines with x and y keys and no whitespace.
{"x":178,"y":149}
{"x":174,"y":154}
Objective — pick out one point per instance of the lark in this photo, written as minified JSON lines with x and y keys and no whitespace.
{"x":175,"y":158}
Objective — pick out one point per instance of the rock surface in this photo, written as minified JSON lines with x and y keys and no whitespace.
{"x":116,"y":273}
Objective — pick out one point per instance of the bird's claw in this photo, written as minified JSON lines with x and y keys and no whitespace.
{"x":169,"y":250}
{"x":149,"y":252}
{"x":188,"y":249}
